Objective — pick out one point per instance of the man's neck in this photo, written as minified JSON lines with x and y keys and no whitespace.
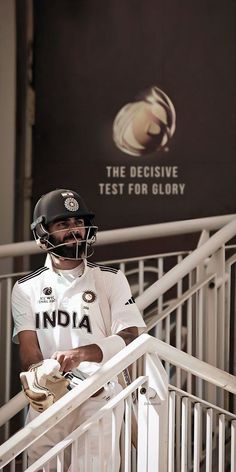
{"x":65,"y":264}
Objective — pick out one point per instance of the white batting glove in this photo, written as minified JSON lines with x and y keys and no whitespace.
{"x":44,"y":384}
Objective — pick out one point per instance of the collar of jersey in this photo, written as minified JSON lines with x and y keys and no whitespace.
{"x":48,"y":263}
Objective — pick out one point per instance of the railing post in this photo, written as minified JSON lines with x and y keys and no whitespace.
{"x":153,"y":443}
{"x":215,"y":317}
{"x":143,"y":446}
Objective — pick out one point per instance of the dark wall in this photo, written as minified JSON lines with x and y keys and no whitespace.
{"x":91,"y":58}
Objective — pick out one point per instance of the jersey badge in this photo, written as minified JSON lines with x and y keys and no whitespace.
{"x":89,"y":296}
{"x":47,"y":291}
{"x":47,"y":297}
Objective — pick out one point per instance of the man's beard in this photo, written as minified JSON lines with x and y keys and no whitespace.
{"x":74,"y":251}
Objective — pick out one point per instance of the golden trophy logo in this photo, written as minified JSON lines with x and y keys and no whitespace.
{"x":145,"y":125}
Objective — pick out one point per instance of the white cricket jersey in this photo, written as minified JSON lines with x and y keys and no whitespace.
{"x":63,"y":308}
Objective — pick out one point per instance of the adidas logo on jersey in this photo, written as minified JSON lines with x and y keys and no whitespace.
{"x":130,"y":301}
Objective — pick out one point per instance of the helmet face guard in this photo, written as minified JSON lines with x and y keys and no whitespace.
{"x":57,"y":205}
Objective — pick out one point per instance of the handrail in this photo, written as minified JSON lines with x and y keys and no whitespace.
{"x":134,"y":233}
{"x":11,"y":408}
{"x":186,"y":265}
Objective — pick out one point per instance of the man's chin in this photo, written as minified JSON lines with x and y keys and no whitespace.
{"x":69,"y":252}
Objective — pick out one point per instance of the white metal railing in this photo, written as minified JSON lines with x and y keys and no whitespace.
{"x":200,"y":434}
{"x":184,"y":447}
{"x":195,"y":315}
{"x":197,"y":257}
{"x":203,"y":302}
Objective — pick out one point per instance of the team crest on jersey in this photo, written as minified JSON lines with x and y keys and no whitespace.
{"x":48,"y":298}
{"x":71,"y":204}
{"x":89,"y":296}
{"x":47,"y":290}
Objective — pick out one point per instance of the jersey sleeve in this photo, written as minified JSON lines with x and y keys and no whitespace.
{"x":21,"y":312}
{"x":124,"y":311}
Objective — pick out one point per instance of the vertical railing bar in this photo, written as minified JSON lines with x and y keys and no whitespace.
{"x":74,"y":455}
{"x":60,"y":461}
{"x":113,"y":434}
{"x":142,"y":449}
{"x":227,"y":319}
{"x":134,"y":370}
{"x":86,"y":450}
{"x":189,"y":340}
{"x":178,"y":370}
{"x":220,"y":309}
{"x":227,"y":330}
{"x":178,"y":342}
{"x":184,"y":434}
{"x":179,"y":325}
{"x":13,"y":465}
{"x":190,"y":434}
{"x":221,"y":442}
{"x":8,"y":344}
{"x":139,"y":366}
{"x":24,"y":460}
{"x":209,"y":426}
{"x":171,"y":433}
{"x":234,"y":334}
{"x":233,"y":446}
{"x":178,"y":433}
{"x":199,"y":339}
{"x":197,"y":437}
{"x":200,"y":325}
{"x":167,"y":340}
{"x":159,"y":326}
{"x":100,"y":443}
{"x":141,"y":276}
{"x":128,"y":407}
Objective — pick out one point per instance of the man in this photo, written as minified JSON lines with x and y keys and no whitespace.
{"x":60,"y":322}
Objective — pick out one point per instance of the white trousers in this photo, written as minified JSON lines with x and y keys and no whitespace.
{"x":71,"y":422}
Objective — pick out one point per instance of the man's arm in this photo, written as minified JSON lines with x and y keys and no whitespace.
{"x":92,"y":352}
{"x":30,"y":352}
{"x":129,"y":334}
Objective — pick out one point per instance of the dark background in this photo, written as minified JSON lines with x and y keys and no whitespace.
{"x":91,"y":58}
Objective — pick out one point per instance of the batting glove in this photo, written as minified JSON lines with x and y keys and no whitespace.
{"x":44,"y":384}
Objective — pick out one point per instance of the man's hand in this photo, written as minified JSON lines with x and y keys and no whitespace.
{"x":73,"y":357}
{"x":43,"y":384}
{"x":68,"y":360}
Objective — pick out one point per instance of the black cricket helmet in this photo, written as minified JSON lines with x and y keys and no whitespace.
{"x":61,"y":204}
